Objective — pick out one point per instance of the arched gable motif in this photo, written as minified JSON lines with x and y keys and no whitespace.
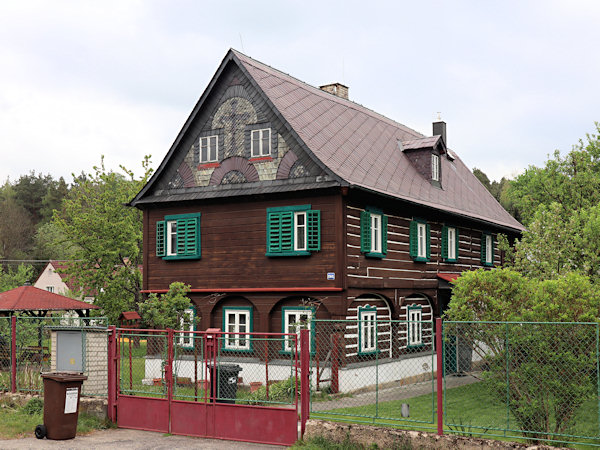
{"x":357,"y":327}
{"x":238,"y":164}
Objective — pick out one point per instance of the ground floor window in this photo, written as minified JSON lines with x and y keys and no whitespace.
{"x":187,"y":323}
{"x":367,"y":329}
{"x":237,"y":320}
{"x":415,"y":318}
{"x":294,"y":320}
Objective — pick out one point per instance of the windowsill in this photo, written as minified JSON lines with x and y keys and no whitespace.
{"x":292,"y":253}
{"x":237,"y":350}
{"x":261,"y":159}
{"x":415,"y":346}
{"x":175,"y":257}
{"x":209,"y":165}
{"x":448,"y":260}
{"x":369,"y":353}
{"x":420,"y":259}
{"x":487,"y":264}
{"x":375,"y":255}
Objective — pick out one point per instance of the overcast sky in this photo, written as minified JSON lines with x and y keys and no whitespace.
{"x":514,"y":80}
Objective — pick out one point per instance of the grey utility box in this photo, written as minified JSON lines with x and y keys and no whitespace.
{"x":69,"y":351}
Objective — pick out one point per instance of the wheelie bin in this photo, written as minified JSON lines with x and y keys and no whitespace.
{"x":226,"y":376}
{"x":61,"y":405}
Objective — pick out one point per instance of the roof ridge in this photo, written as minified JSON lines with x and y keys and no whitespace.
{"x":344,"y":101}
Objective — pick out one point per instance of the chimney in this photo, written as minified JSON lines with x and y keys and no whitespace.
{"x":439,"y":129}
{"x":336,"y":89}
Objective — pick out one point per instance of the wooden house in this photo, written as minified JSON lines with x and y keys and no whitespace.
{"x":280,"y":202}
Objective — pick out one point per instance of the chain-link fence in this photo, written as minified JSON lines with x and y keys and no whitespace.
{"x":373,"y":371}
{"x":533,"y":381}
{"x":5,"y":353}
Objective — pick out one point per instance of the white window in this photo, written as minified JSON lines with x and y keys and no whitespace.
{"x":50,"y":288}
{"x":260,"y":143}
{"x":376,"y":233}
{"x":295,"y":320}
{"x":435,"y":167}
{"x":415,"y":317}
{"x":186,"y":323}
{"x":489,"y":249}
{"x":300,"y":230}
{"x":451,"y":243}
{"x":367,"y":329}
{"x":171,"y":238}
{"x":209,"y":149}
{"x":422,"y":240}
{"x":237,"y":322}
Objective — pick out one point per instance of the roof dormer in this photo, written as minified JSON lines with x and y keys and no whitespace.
{"x":425,"y":155}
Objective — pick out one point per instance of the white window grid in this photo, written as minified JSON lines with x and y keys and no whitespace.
{"x":294,"y":321}
{"x":489,"y":249}
{"x":368,"y":330}
{"x":171,"y":237}
{"x":209,"y":149}
{"x":186,"y":339}
{"x":422,"y":240}
{"x":451,"y":242}
{"x":415,"y":317}
{"x":260,"y":143}
{"x":300,"y":231}
{"x":236,"y":322}
{"x":435,"y":167}
{"x":376,"y":233}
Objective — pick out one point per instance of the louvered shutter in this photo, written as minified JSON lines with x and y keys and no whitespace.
{"x":428,"y":241}
{"x":384,"y":223}
{"x":365,"y":231}
{"x":414,"y":240}
{"x":274,"y":232}
{"x":287,"y":231}
{"x":314,"y":230}
{"x":188,"y":231}
{"x":444,"y":242}
{"x":456,"y":242}
{"x":160,"y":238}
{"x":483,"y":248}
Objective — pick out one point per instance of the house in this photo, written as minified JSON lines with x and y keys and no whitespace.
{"x":54,"y":279}
{"x":281,"y":202}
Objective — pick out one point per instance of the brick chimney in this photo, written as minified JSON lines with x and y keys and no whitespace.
{"x":336,"y":89}
{"x":439,"y":129}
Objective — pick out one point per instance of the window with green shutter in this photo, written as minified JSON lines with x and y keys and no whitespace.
{"x":373,"y":233}
{"x":293,"y":231}
{"x":420,"y":240}
{"x":487,"y":249}
{"x":178,"y":237}
{"x":450,"y":242}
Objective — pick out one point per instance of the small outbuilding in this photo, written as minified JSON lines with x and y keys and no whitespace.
{"x":32,"y":301}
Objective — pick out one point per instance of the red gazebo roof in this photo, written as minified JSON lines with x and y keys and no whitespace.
{"x":29,"y":298}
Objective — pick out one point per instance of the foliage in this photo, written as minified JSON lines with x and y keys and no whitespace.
{"x":167,"y":310}
{"x":499,"y":190}
{"x":549,"y":368}
{"x":49,"y":242}
{"x":16,"y":226}
{"x":280,"y":392}
{"x":107,"y":237}
{"x":34,"y":406}
{"x":12,"y":278}
{"x":572,"y":181}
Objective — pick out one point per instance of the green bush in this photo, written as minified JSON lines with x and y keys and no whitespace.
{"x":34,"y":406}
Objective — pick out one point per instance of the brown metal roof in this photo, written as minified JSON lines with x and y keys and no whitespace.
{"x":361,"y":147}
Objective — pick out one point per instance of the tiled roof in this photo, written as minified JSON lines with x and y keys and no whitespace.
{"x":361,"y":147}
{"x":29,"y":298}
{"x":426,"y":142}
{"x":448,"y":276}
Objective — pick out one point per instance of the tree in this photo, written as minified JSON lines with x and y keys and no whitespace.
{"x":498,"y":189}
{"x":543,"y":371}
{"x":107,"y":236}
{"x":50,"y":242}
{"x":16,"y":228}
{"x":167,"y":310}
{"x":13,"y":278}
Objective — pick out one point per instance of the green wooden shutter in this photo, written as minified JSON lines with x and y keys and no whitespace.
{"x":273,"y":232}
{"x":483,"y":248}
{"x":384,"y":223}
{"x":287,"y":231}
{"x":414,"y":240}
{"x":444,"y":242}
{"x":456,"y":242}
{"x":313,"y":219}
{"x":365,"y":231}
{"x":160,"y":238}
{"x":428,"y":241}
{"x":188,"y":231}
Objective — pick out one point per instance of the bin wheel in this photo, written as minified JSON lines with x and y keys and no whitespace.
{"x":40,"y":431}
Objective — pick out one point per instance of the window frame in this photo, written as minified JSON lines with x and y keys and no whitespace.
{"x":487,"y":249}
{"x":208,"y":149}
{"x":165,"y":236}
{"x":260,"y":151}
{"x":414,"y":244}
{"x":238,"y":310}
{"x":282,"y":231}
{"x":365,"y":324}
{"x":367,"y":236}
{"x":448,"y":246}
{"x":183,"y":337}
{"x":410,"y":341}
{"x":435,"y":167}
{"x":286,"y":311}
{"x":298,"y":233}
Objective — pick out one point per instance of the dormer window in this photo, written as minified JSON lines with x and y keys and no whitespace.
{"x":260,"y":143}
{"x":209,"y":149}
{"x":435,"y":167}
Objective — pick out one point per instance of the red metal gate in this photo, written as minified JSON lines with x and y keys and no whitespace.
{"x":237,"y":386}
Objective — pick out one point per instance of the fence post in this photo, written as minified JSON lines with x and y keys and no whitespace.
{"x":440,"y":375}
{"x":335,"y":363}
{"x":169,"y":371}
{"x":13,"y":353}
{"x":112,"y":374}
{"x":304,"y":379}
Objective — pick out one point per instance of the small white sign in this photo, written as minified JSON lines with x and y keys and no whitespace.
{"x":71,"y":397}
{"x":331,"y":276}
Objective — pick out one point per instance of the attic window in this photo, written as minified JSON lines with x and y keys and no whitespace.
{"x":435,"y":167}
{"x":260,"y":143}
{"x":209,"y":149}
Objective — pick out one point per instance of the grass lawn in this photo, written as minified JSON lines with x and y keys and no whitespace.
{"x":471,"y":410}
